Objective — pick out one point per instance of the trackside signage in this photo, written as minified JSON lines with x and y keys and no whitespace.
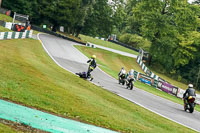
{"x":145,"y":79}
{"x":168,"y":88}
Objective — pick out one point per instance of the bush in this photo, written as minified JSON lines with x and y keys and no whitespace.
{"x":135,"y":41}
{"x":125,"y":38}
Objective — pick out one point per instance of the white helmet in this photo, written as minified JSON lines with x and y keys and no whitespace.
{"x":132,"y":71}
{"x":190,"y":86}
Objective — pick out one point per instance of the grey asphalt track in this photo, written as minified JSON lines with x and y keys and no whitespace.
{"x":63,"y":52}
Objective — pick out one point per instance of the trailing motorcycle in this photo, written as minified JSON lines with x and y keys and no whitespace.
{"x":190,"y":104}
{"x":122,"y":79}
{"x":130,"y":82}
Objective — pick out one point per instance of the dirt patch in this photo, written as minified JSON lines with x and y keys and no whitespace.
{"x":21,"y":127}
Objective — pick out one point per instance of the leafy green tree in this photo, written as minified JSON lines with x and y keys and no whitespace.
{"x":99,"y":22}
{"x":161,"y":22}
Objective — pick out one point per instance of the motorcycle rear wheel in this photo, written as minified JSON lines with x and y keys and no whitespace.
{"x":191,"y":108}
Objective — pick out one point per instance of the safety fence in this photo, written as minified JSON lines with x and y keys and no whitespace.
{"x":8,"y":25}
{"x":15,"y":35}
{"x":37,"y":28}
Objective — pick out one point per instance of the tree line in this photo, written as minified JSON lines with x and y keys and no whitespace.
{"x":169,"y":29}
{"x":91,"y":17}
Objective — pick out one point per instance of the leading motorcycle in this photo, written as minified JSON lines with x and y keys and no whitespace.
{"x":130,"y":82}
{"x":190,"y":104}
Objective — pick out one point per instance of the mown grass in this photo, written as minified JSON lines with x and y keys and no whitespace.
{"x":6,"y":18}
{"x":107,"y":44}
{"x":7,"y":129}
{"x":2,"y":29}
{"x":29,"y":76}
{"x":112,"y":62}
{"x":36,"y":32}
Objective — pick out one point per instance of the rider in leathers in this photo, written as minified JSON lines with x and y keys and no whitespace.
{"x":92,"y":65}
{"x":122,"y":71}
{"x":189,"y":92}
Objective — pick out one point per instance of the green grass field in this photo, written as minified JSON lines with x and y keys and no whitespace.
{"x":111,"y":64}
{"x":107,"y":44}
{"x":2,"y":29}
{"x":7,"y":129}
{"x":6,"y":18}
{"x":29,"y":76}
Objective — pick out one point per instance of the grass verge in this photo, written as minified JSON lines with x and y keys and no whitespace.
{"x":29,"y":76}
{"x":107,"y":44}
{"x":112,"y":62}
{"x":2,"y":29}
{"x":6,"y":18}
{"x":7,"y":129}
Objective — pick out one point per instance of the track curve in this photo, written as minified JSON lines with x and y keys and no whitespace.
{"x":63,"y":53}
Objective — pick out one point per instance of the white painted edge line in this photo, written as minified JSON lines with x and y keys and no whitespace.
{"x":156,"y":112}
{"x":114,"y":93}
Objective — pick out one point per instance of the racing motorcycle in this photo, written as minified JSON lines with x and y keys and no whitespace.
{"x":122,"y":79}
{"x":190,"y":104}
{"x":130,"y":82}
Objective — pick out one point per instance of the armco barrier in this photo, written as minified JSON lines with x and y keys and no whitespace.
{"x":124,"y":45}
{"x":8,"y":25}
{"x":145,"y":69}
{"x":37,"y":28}
{"x":15,"y":35}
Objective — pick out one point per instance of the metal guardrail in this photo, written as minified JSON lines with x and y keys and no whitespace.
{"x":124,"y":45}
{"x":37,"y":28}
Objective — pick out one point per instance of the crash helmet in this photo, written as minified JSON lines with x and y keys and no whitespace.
{"x":190,"y":86}
{"x":93,"y":56}
{"x":132,"y":71}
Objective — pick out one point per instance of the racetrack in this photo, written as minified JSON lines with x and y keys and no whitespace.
{"x":63,"y":52}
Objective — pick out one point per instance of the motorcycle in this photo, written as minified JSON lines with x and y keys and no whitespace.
{"x":189,"y":104}
{"x":130,"y":82}
{"x":85,"y":75}
{"x":122,"y":79}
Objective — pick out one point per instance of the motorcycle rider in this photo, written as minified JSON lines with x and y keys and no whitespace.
{"x":129,"y":75}
{"x":189,"y":92}
{"x":92,"y":65}
{"x":122,"y":71}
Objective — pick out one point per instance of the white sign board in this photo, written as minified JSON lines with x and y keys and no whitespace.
{"x":62,"y":28}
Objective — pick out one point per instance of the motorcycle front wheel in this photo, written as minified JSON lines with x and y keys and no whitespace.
{"x":131,"y":85}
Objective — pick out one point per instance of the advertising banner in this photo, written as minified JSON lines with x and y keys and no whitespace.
{"x":145,"y":79}
{"x":197,"y":99}
{"x":180,"y":93}
{"x":19,"y":28}
{"x":168,"y":88}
